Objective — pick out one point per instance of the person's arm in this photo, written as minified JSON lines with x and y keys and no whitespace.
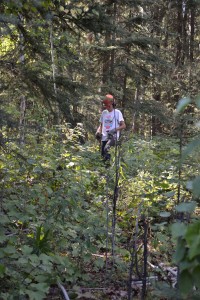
{"x":98,"y":133}
{"x":121,"y":122}
{"x":99,"y":129}
{"x":122,"y":125}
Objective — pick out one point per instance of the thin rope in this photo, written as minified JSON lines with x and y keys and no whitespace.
{"x":107,"y":224}
{"x":115,"y":195}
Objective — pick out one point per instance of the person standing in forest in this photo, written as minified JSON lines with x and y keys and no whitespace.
{"x":111,"y":124}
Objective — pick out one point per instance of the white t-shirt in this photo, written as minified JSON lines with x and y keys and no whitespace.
{"x":110,"y":120}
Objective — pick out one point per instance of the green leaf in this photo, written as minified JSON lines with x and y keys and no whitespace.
{"x":34,"y":258}
{"x":2,"y":254}
{"x":43,"y":287}
{"x":46,"y":259}
{"x":3,"y":238}
{"x":42,"y":277}
{"x":2,"y":270}
{"x":31,"y":161}
{"x":196,"y":276}
{"x":178,"y":229}
{"x":9,"y":249}
{"x":190,"y":148}
{"x":196,"y":186}
{"x":169,"y":194}
{"x":180,"y":250}
{"x":161,"y":237}
{"x":26,"y":250}
{"x":189,"y":185}
{"x":49,"y":190}
{"x":186,"y":207}
{"x":87,"y":257}
{"x":194,"y":248}
{"x":4,"y":219}
{"x":193,"y":232}
{"x":165,"y":214}
{"x":197,"y":101}
{"x":37,"y":169}
{"x":186,"y":265}
{"x":185,"y":282}
{"x":99,"y":262}
{"x":182,"y":104}
{"x":35,"y":295}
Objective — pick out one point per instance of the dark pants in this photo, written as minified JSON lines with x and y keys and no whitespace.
{"x":105,"y":147}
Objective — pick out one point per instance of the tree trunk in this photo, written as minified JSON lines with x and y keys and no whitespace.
{"x":22,"y":120}
{"x":56,"y":109}
{"x":192,"y":26}
{"x":135,"y":123}
{"x":109,"y":56}
{"x":22,"y":98}
{"x":179,"y":44}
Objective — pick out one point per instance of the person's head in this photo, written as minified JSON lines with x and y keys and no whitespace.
{"x":108,"y":102}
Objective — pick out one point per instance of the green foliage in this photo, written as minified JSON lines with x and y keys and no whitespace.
{"x":49,"y":191}
{"x":56,"y":197}
{"x":187,"y":252}
{"x":187,"y":255}
{"x":54,"y":187}
{"x":40,"y":241}
{"x":151,"y":173}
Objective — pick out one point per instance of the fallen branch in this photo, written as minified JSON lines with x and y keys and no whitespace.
{"x":64,"y":291}
{"x":163,"y":268}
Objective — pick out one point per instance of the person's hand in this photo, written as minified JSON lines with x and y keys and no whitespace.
{"x":98,"y":136}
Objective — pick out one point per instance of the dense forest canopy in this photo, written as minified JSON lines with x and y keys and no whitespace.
{"x":71,"y":228}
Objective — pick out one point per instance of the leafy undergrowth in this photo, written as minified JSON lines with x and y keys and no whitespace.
{"x":57,"y":220}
